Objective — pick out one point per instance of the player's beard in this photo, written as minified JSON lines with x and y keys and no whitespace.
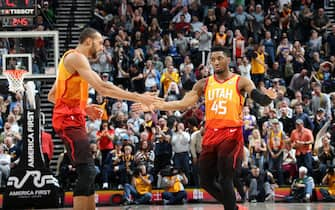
{"x":94,"y":52}
{"x":220,"y":71}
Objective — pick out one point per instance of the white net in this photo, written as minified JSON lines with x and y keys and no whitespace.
{"x":15,"y":80}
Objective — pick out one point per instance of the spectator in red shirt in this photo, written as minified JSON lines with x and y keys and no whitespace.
{"x":182,"y":25}
{"x":47,"y":147}
{"x":105,"y":137}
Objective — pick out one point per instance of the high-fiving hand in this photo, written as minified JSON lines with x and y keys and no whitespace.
{"x":147,"y":103}
{"x":271,"y":93}
{"x":94,"y":111}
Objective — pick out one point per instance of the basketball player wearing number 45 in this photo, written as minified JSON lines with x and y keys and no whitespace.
{"x":222,"y":147}
{"x":70,"y":94}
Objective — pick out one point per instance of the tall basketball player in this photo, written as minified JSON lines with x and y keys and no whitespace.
{"x":222,"y":145}
{"x":70,"y":94}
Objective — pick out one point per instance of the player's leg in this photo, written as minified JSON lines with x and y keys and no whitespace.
{"x":85,"y":185}
{"x":227,"y":162}
{"x":77,"y":144}
{"x":208,"y":172}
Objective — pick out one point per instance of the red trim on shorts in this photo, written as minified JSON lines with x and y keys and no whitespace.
{"x":240,"y":147}
{"x":70,"y":142}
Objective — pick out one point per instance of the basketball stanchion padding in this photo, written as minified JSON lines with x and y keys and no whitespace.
{"x":31,"y":184}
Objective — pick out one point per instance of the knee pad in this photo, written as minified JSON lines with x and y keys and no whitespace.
{"x":85,"y":185}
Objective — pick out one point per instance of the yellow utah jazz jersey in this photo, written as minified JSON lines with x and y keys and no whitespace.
{"x":224,"y":103}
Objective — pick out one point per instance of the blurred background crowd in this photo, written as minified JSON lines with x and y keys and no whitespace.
{"x":164,"y":47}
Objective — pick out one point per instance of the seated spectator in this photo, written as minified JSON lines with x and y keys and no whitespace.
{"x":297,"y":99}
{"x":188,"y":78}
{"x":320,"y":21}
{"x":96,"y":155}
{"x":13,"y":150}
{"x":289,"y":161}
{"x":257,"y":148}
{"x":275,"y":140}
{"x":220,"y":36}
{"x":109,"y":171}
{"x":325,"y":76}
{"x":119,"y":106}
{"x":148,"y":126}
{"x":326,"y":154}
{"x":319,"y":120}
{"x":329,"y":179}
{"x":4,"y":166}
{"x":174,"y":182}
{"x":245,"y":67}
{"x":259,"y":185}
{"x":180,"y":142}
{"x":169,"y":76}
{"x":182,"y":25}
{"x":283,"y":106}
{"x":186,"y":63}
{"x":151,"y":75}
{"x":258,"y":65}
{"x":302,"y":187}
{"x":163,"y":147}
{"x":299,"y":113}
{"x":92,"y":127}
{"x":240,"y":19}
{"x":66,"y":173}
{"x":249,"y":123}
{"x":126,"y":167}
{"x":15,"y":128}
{"x":145,"y":156}
{"x":320,"y":100}
{"x":140,"y":187}
{"x":172,"y":93}
{"x":300,"y":82}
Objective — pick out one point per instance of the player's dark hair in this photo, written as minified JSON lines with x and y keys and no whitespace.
{"x":219,"y":48}
{"x":87,"y":33}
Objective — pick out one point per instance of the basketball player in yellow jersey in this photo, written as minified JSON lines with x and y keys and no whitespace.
{"x":222,"y":146}
{"x":70,"y":94}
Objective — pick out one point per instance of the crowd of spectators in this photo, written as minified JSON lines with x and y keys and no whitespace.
{"x":164,"y":47}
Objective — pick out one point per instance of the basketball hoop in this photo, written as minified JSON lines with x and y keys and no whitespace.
{"x":15,"y":80}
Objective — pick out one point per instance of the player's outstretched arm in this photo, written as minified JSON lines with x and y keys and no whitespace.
{"x":263,"y":97}
{"x":187,"y":101}
{"x":78,"y":62}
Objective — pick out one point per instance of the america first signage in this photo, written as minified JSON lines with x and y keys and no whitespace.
{"x":31,"y":184}
{"x":31,"y":139}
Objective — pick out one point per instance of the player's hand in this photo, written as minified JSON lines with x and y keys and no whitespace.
{"x":94,"y":111}
{"x":149,"y":98}
{"x":271,"y":93}
{"x":138,"y":107}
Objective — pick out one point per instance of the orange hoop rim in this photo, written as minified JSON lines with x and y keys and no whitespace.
{"x":16,"y":73}
{"x":15,"y":79}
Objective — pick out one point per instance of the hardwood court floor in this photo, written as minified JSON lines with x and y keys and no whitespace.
{"x":251,"y":206}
